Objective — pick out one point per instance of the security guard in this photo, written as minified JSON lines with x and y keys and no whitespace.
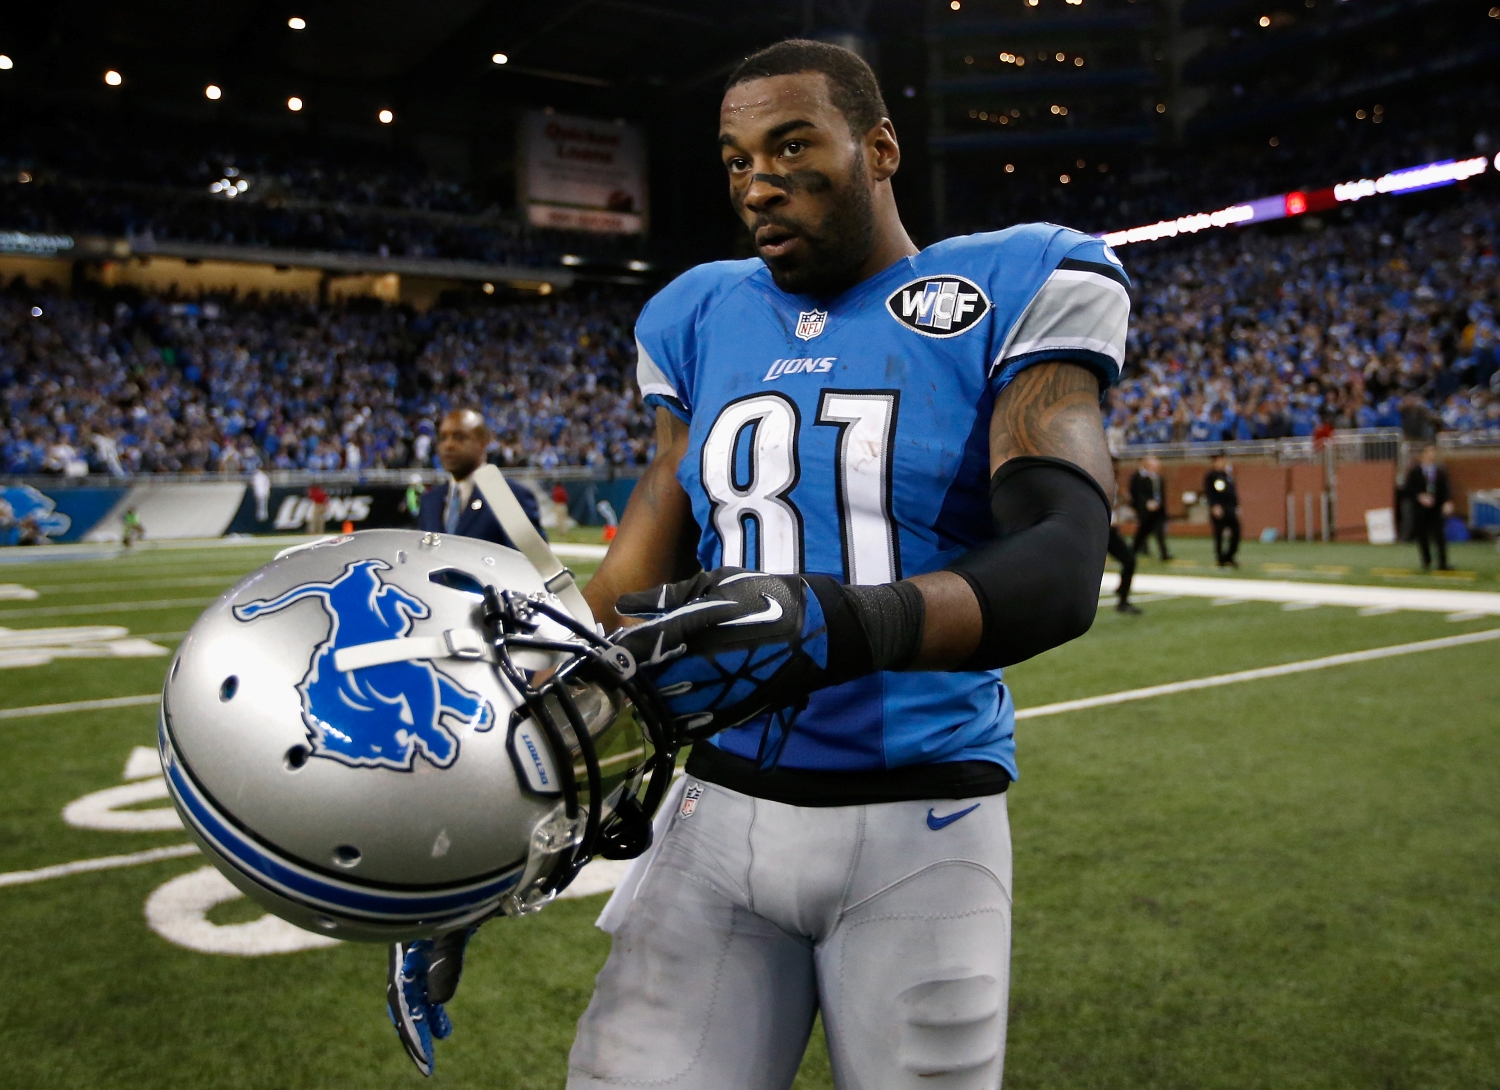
{"x":452,"y":506}
{"x":1223,"y":511}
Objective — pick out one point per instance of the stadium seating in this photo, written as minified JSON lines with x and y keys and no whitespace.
{"x":1387,"y":321}
{"x":1382,"y":316}
{"x":96,"y":383}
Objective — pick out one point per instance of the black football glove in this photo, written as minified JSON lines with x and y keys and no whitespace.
{"x":729,"y":645}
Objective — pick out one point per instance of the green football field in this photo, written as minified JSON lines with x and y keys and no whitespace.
{"x":1283,"y":883}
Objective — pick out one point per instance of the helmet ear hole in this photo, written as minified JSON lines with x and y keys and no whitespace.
{"x":346,"y":855}
{"x":230,"y":686}
{"x":457,"y":579}
{"x":296,"y":757}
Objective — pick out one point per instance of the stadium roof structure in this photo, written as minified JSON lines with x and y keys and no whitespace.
{"x":605,"y":56}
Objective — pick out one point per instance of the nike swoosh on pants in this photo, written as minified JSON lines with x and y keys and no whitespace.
{"x":935,"y":823}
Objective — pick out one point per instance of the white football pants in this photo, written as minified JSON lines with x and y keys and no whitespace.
{"x":756,"y":915}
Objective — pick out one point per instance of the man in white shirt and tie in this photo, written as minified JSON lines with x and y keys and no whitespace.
{"x":455,"y":506}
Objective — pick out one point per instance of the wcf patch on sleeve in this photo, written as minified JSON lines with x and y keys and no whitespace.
{"x":938,"y":306}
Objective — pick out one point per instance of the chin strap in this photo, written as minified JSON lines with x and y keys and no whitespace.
{"x":557,"y":578}
{"x":455,"y":643}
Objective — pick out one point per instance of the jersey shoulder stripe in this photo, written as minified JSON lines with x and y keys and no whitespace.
{"x":1078,"y":312}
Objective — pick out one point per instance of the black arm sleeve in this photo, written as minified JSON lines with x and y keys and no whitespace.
{"x":1038,"y":581}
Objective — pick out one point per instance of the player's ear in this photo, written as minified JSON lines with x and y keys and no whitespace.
{"x":882,"y":151}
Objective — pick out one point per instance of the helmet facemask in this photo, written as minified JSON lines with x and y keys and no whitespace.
{"x":603,"y":731}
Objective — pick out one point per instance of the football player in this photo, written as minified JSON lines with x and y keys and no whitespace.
{"x":890,"y":466}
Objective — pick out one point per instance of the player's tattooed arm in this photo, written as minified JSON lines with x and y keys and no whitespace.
{"x":1050,"y":410}
{"x":657,"y":532}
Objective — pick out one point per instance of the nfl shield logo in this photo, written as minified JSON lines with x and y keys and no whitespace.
{"x":690,"y":799}
{"x":810,"y":323}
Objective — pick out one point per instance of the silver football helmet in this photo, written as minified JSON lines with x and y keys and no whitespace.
{"x":390,"y":734}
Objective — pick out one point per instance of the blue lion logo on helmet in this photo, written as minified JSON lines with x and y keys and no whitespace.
{"x":378,"y":716}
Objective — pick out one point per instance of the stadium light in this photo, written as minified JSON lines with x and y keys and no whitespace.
{"x":386,"y":117}
{"x":1265,"y":20}
{"x":1064,"y":179}
{"x":36,"y":312}
{"x":294,"y":104}
{"x":954,"y":4}
{"x":499,"y":58}
{"x":212,"y":92}
{"x":113,"y":78}
{"x":489,"y":289}
{"x":637,"y":266}
{"x":6,"y":64}
{"x":296,"y":22}
{"x":1010,"y":168}
{"x":1297,"y":202}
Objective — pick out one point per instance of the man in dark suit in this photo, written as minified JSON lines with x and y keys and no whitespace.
{"x":1223,"y":511}
{"x":455,"y":506}
{"x":1148,"y":495}
{"x":1431,"y":503}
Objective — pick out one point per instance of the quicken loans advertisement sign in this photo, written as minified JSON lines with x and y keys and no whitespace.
{"x":579,"y":174}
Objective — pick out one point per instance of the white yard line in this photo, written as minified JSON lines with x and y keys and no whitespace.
{"x":80,"y":706}
{"x":108,"y":607}
{"x":221,"y":581}
{"x":1224,"y":591}
{"x":579,"y":551}
{"x":107,"y":862}
{"x":110,"y":862}
{"x":1256,"y":675}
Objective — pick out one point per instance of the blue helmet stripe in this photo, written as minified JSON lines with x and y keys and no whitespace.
{"x":300,"y":885}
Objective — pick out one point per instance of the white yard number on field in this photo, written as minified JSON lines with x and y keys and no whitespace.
{"x":178,"y":910}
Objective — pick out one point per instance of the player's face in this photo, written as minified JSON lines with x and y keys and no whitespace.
{"x":797,"y":179}
{"x":462,"y":439}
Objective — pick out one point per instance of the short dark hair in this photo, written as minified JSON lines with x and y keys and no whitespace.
{"x":851,"y":84}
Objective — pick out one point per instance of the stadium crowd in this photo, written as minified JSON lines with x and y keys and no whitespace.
{"x":104,"y":385}
{"x":1388,"y":319}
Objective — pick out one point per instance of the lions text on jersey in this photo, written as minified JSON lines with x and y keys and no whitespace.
{"x":849,"y":437}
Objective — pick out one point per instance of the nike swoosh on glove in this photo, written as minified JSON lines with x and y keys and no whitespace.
{"x":729,"y":645}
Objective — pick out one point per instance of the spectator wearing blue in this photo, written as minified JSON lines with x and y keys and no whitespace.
{"x":455,"y":506}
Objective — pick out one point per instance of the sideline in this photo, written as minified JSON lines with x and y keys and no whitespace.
{"x":108,"y":607}
{"x":1023,"y":713}
{"x":598,"y":881}
{"x":1256,"y":675}
{"x":1361,"y":595}
{"x":80,"y":706}
{"x":107,"y":862}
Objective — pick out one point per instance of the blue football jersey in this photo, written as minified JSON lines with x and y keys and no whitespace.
{"x":849,"y":437}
